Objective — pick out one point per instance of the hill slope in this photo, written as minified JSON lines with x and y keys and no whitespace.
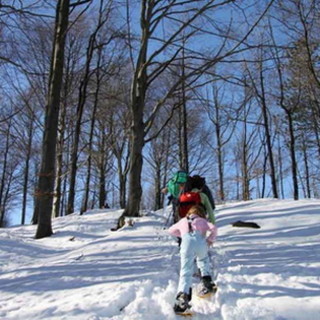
{"x":87,"y":272}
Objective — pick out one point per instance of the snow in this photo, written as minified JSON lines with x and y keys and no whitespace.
{"x":85,"y":271}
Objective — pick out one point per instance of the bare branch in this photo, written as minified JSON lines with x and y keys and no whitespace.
{"x":79,"y":3}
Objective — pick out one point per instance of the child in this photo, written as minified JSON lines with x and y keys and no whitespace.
{"x":193,"y":231}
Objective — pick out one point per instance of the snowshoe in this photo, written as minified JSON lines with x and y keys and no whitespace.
{"x":187,"y":313}
{"x":206,"y":287}
{"x":182,"y":306}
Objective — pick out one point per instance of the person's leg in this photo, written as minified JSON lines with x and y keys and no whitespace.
{"x":187,"y":261}
{"x":185,"y":280}
{"x":203,"y":260}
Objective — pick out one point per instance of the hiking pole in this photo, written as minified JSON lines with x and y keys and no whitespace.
{"x":171,"y":213}
{"x":168,"y":219}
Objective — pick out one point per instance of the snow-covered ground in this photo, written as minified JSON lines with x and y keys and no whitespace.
{"x":87,"y":272}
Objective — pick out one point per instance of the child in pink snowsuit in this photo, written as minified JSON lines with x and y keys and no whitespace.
{"x":197,"y":234}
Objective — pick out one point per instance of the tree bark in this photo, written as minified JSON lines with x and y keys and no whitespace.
{"x":219,"y":151}
{"x":306,"y":167}
{"x":102,"y":183}
{"x":268,"y":136}
{"x":58,"y":199}
{"x":3,"y":175}
{"x":157,"y":186}
{"x":77,"y":132}
{"x":92,"y":125}
{"x":26,"y":173}
{"x":185,"y":154}
{"x":122,"y":174}
{"x":245,"y":170}
{"x":59,"y":163}
{"x":138,"y":92}
{"x":45,"y":188}
{"x":136,"y":162}
{"x":293,"y":156}
{"x":281,"y":184}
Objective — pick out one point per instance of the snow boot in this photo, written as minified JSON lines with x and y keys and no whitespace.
{"x":182,"y":305}
{"x":206,"y":287}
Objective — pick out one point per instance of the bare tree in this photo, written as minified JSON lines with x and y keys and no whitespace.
{"x":183,"y":15}
{"x":105,"y":9}
{"x":298,"y":72}
{"x":118,"y":121}
{"x":30,"y":128}
{"x":259,"y":88}
{"x":160,"y":157}
{"x":12,"y":13}
{"x":103,"y":156}
{"x":4,"y":174}
{"x":47,"y":170}
{"x":224,"y":126}
{"x":289,"y":107}
{"x":92,"y":127}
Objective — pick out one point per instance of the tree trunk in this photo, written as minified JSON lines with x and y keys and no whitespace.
{"x":59,"y":164}
{"x":157,"y":186}
{"x":35,"y":215}
{"x":238,"y":179}
{"x":92,"y":125}
{"x":219,"y":151}
{"x":245,"y":174}
{"x":63,"y":206}
{"x":102,"y":172}
{"x":315,"y":127}
{"x":185,"y":154}
{"x":26,"y":173}
{"x":75,"y":146}
{"x":280,"y":168}
{"x":102,"y":188}
{"x":289,"y":113}
{"x":268,"y":136}
{"x":136,"y":161}
{"x":293,"y":157}
{"x":166,"y":164}
{"x":6,"y":196}
{"x":3,"y":176}
{"x":57,"y":183}
{"x":264,"y":175}
{"x":306,"y":167}
{"x":122,"y":184}
{"x":138,"y":93}
{"x":57,"y":200}
{"x":45,"y":189}
{"x":81,"y":104}
{"x":245,"y":169}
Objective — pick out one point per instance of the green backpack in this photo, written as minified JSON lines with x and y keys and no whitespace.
{"x":179,"y":178}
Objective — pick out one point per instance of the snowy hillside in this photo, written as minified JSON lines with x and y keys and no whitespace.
{"x":87,"y":272}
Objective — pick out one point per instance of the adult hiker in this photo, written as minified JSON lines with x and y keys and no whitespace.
{"x":175,"y":187}
{"x":193,"y":230}
{"x":201,"y":183}
{"x":193,"y":195}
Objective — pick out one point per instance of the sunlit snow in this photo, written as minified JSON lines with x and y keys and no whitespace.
{"x":87,"y":272}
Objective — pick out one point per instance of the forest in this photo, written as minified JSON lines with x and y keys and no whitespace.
{"x":101,"y":101}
